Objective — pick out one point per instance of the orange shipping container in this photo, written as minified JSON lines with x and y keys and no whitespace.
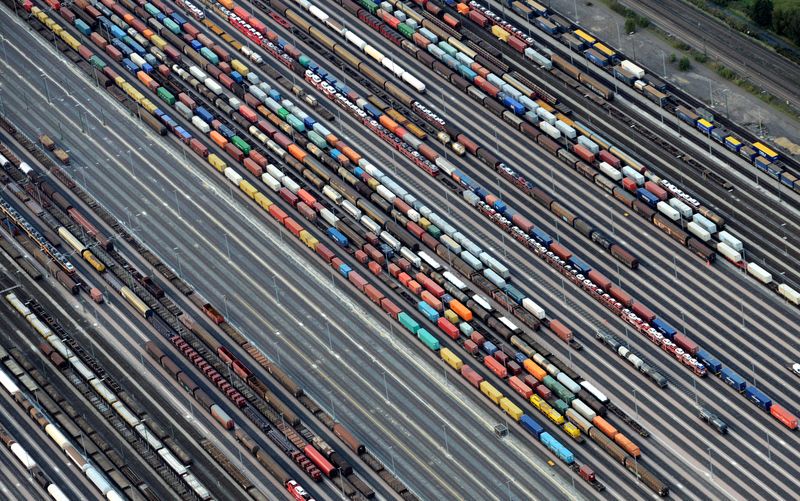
{"x":627,"y":445}
{"x":218,"y":138}
{"x":461,"y":310}
{"x":534,"y":369}
{"x":297,"y":152}
{"x":404,"y":278}
{"x":351,"y":154}
{"x":388,"y":123}
{"x":415,"y":287}
{"x":375,"y":268}
{"x":605,"y":427}
{"x":431,"y":300}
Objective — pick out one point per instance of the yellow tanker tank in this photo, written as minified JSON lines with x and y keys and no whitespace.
{"x":92,"y":260}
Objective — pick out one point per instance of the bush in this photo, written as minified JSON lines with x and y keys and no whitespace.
{"x":684,"y":64}
{"x":673,"y":58}
{"x":761,"y":12}
{"x":630,"y":25}
{"x":699,"y":57}
{"x":786,"y":22}
{"x":725,"y":72}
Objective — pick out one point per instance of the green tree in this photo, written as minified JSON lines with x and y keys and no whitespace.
{"x":630,"y":25}
{"x":786,"y":22}
{"x":673,"y":58}
{"x":684,"y":64}
{"x":761,"y":12}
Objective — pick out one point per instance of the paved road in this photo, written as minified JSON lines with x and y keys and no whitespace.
{"x":197,"y":252}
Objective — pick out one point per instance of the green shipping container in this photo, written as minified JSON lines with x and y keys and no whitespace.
{"x":304,"y":60}
{"x":406,"y":30}
{"x":97,"y":62}
{"x":408,"y":322}
{"x":151,"y":9}
{"x":241,"y":144}
{"x":372,"y":7}
{"x":283,"y":113}
{"x":434,"y":231}
{"x":172,"y":26}
{"x":559,"y":389}
{"x":166,"y":96}
{"x":428,"y":339}
{"x":560,"y":406}
{"x":296,"y":123}
{"x":317,"y":139}
{"x":208,"y":54}
{"x":449,"y":49}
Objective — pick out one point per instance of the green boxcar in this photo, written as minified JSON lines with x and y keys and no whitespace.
{"x":317,"y":139}
{"x":296,"y":123}
{"x":166,"y":96}
{"x":406,"y":30}
{"x":283,"y":113}
{"x":434,"y":231}
{"x":372,"y":7}
{"x":449,"y":49}
{"x":172,"y":26}
{"x":97,"y":62}
{"x":559,"y":389}
{"x":208,"y":54}
{"x":408,"y":322}
{"x":241,"y":144}
{"x":151,"y":9}
{"x":304,"y":61}
{"x":560,"y":406}
{"x":428,"y":339}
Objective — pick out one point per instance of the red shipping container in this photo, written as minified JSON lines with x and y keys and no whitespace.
{"x":544,"y":391}
{"x":522,"y":223}
{"x":561,"y":330}
{"x":225,"y":80}
{"x":429,"y":284}
{"x":621,"y":296}
{"x":583,"y":152}
{"x":267,"y":128}
{"x":164,"y":70}
{"x":520,"y":387}
{"x":449,"y":329}
{"x":375,"y":268}
{"x":415,"y":229}
{"x":248,"y":113}
{"x":560,"y":251}
{"x":404,"y":279}
{"x":375,"y":254}
{"x":784,"y":416}
{"x":477,"y":338}
{"x":222,"y":53}
{"x":277,"y":212}
{"x":683,"y":341}
{"x":517,"y":44}
{"x":610,"y":159}
{"x":599,"y":279}
{"x":656,"y":190}
{"x":306,"y":197}
{"x":361,"y":256}
{"x":372,"y":238}
{"x":431,"y":300}
{"x":629,"y":184}
{"x":198,"y":147}
{"x":478,"y":18}
{"x":531,"y":381}
{"x":357,"y":280}
{"x":251,"y":100}
{"x":114,"y":53}
{"x":188,"y":101}
{"x":470,"y":375}
{"x":324,"y":252}
{"x":389,"y":307}
{"x":293,"y":226}
{"x":415,"y":287}
{"x":495,"y":367}
{"x":513,"y":368}
{"x":470,"y":346}
{"x":172,"y":53}
{"x":643,"y":312}
{"x":336,"y":263}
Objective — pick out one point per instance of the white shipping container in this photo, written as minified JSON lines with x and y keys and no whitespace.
{"x":471,"y":260}
{"x":546,"y":116}
{"x":632,"y":173}
{"x":550,"y":130}
{"x":511,"y":325}
{"x":429,"y":260}
{"x":213,"y":86}
{"x":56,"y":493}
{"x":668,"y":210}
{"x":482,"y":302}
{"x":640,"y":85}
{"x":583,"y":409}
{"x":290,"y":184}
{"x":760,"y":273}
{"x":7,"y":383}
{"x":730,"y":240}
{"x":698,"y":231}
{"x":386,"y":193}
{"x":729,"y":252}
{"x":610,"y":171}
{"x":24,"y":458}
{"x":494,"y":278}
{"x":534,"y":308}
{"x":198,"y":73}
{"x":589,"y":144}
{"x":568,"y":382}
{"x":201,"y":125}
{"x":684,"y":210}
{"x":331,"y":193}
{"x":705,"y":223}
{"x":451,"y":244}
{"x":790,"y":294}
{"x":271,"y":182}
{"x":457,"y":282}
{"x":566,"y":130}
{"x":328,"y":216}
{"x":592,"y":389}
{"x":137,"y":60}
{"x":629,"y":66}
{"x":498,"y":267}
{"x":413,"y":215}
{"x":233,"y":176}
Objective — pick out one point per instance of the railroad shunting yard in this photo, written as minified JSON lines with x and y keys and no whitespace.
{"x":394,"y":250}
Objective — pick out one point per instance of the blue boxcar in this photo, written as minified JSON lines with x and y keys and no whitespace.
{"x":337,"y":236}
{"x":179,"y":19}
{"x":712,"y":364}
{"x":83,"y":27}
{"x":204,"y":114}
{"x":531,"y":425}
{"x":345,"y":270}
{"x":499,"y":206}
{"x":309,"y":122}
{"x":130,"y":66}
{"x":372,"y":110}
{"x":119,"y":44}
{"x":274,"y":94}
{"x":519,"y":358}
{"x":758,"y":397}
{"x":237,"y":77}
{"x":489,"y":348}
{"x":647,"y":197}
{"x":664,"y":328}
{"x":580,"y":265}
{"x":147,"y":68}
{"x":196,"y":45}
{"x":733,"y":379}
{"x":428,"y":311}
{"x":542,"y":237}
{"x":226,"y":131}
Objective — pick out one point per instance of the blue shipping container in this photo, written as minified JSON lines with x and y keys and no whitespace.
{"x":542,"y":237}
{"x":428,"y":311}
{"x":647,"y":197}
{"x":237,"y":77}
{"x":711,"y":363}
{"x":196,"y":45}
{"x":203,"y":114}
{"x":337,"y":236}
{"x":733,"y":379}
{"x":664,"y":328}
{"x":531,"y":425}
{"x":758,"y":397}
{"x":489,"y":348}
{"x":514,"y":294}
{"x":345,"y":270}
{"x":130,"y":66}
{"x":580,"y":265}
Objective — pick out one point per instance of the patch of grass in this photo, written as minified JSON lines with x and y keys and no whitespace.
{"x":684,"y":64}
{"x":699,"y":56}
{"x":680,"y":45}
{"x":673,"y":58}
{"x":638,"y":20}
